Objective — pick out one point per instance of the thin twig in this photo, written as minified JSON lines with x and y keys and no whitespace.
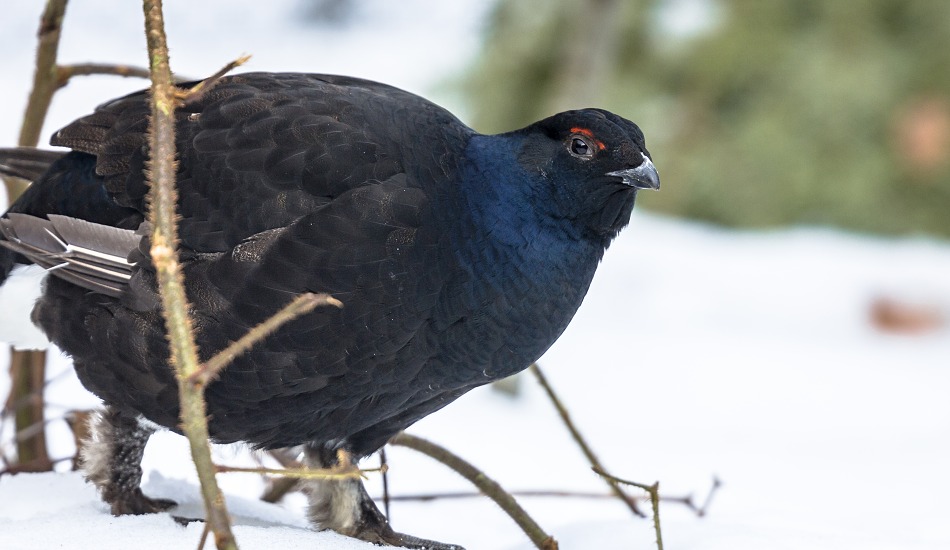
{"x":701,"y":511}
{"x":301,"y":305}
{"x":66,"y":72}
{"x":302,"y":473}
{"x":386,"y":497}
{"x":32,"y":467}
{"x":490,"y":487}
{"x":198,"y":91}
{"x":204,"y":537}
{"x":44,"y":79}
{"x":654,"y":491}
{"x":25,"y":400}
{"x":15,"y":402}
{"x":283,"y":485}
{"x":29,"y":432}
{"x":575,"y":433}
{"x":78,"y":422}
{"x":160,"y":171}
{"x":278,"y":488}
{"x":20,"y":468}
{"x":685,"y":500}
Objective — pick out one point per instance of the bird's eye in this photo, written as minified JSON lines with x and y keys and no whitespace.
{"x":580,"y":148}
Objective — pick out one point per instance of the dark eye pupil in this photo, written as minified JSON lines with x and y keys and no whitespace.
{"x":579,"y":147}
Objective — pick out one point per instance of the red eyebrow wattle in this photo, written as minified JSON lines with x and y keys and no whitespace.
{"x":588,"y":133}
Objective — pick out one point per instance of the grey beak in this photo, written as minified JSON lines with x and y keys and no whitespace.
{"x":641,"y":177}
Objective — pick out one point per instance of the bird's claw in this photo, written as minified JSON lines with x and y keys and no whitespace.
{"x":409,"y":541}
{"x":135,"y":503}
{"x":384,"y":535}
{"x":374,"y":527}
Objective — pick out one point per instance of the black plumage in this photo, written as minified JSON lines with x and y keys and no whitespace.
{"x":459,"y":257}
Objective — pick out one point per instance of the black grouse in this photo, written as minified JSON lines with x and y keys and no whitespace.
{"x":459,"y":259}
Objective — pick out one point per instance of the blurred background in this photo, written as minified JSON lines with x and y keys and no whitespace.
{"x":805,"y":112}
{"x":776,"y":315}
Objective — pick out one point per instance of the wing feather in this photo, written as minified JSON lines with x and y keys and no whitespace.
{"x":258,"y":151}
{"x":90,"y":255}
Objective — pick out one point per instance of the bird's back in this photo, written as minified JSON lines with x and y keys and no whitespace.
{"x":259,"y":150}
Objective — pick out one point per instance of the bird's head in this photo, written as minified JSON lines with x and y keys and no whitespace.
{"x":590,"y":163}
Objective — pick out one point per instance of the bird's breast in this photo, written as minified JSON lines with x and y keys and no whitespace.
{"x":514,"y":297}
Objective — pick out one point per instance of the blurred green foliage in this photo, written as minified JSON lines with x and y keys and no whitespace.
{"x":761,"y":113}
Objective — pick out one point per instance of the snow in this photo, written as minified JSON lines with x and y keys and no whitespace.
{"x":82,"y":522}
{"x":20,"y":290}
{"x":699,"y":352}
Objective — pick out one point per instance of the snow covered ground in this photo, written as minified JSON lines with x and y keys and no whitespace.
{"x":699,"y":352}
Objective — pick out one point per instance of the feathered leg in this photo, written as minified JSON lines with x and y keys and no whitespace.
{"x":112,"y":461}
{"x":343,"y":505}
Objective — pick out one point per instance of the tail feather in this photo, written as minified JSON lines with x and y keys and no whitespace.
{"x":89,"y":255}
{"x":27,"y":162}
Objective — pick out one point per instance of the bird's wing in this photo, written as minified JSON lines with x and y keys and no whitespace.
{"x":26,"y":162}
{"x":374,"y":248}
{"x":287,"y":184}
{"x":258,"y":151}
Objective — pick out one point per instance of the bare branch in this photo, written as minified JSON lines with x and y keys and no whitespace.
{"x":490,"y":487}
{"x":280,"y":486}
{"x":301,"y":305}
{"x":575,"y":433}
{"x":701,"y":511}
{"x":44,"y":79}
{"x":386,"y":497}
{"x":204,"y":537}
{"x":65,"y":72}
{"x":654,"y":491}
{"x":28,"y":368}
{"x":278,"y":489}
{"x":160,"y":171}
{"x":14,"y":469}
{"x":197,"y":91}
{"x":350,"y":472}
{"x":685,"y":500}
{"x":78,"y":422}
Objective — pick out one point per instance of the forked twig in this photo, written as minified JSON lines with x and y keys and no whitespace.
{"x":490,"y":487}
{"x":302,"y":473}
{"x":653,"y":490}
{"x":44,"y":79}
{"x":581,"y":442}
{"x":65,"y":72}
{"x":303,"y":304}
{"x":204,"y":536}
{"x":701,"y":510}
{"x":160,"y":173}
{"x":198,"y":91}
{"x":545,"y":493}
{"x":282,"y":485}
